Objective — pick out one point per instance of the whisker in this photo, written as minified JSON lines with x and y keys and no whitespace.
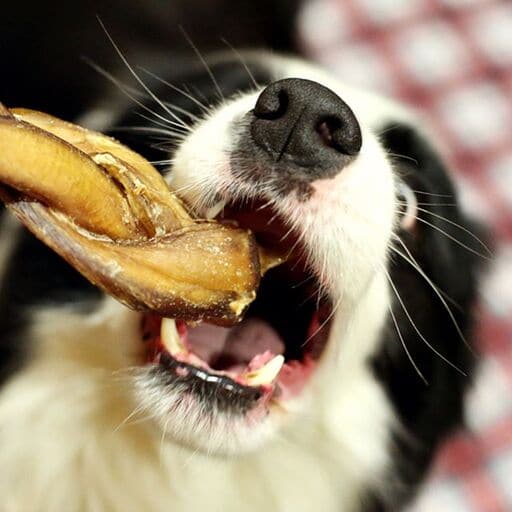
{"x":199,"y":93}
{"x":469,"y":232}
{"x":203,"y":62}
{"x":164,"y":145}
{"x":387,"y":129}
{"x":116,"y":81}
{"x":138,"y":79}
{"x":318,"y":292}
{"x":404,"y":157}
{"x":162,"y":438}
{"x":323,"y":324}
{"x":201,"y":105}
{"x":449,"y":299}
{"x":124,"y":90}
{"x":158,"y":123}
{"x":421,"y":203}
{"x":451,"y":237}
{"x":160,"y":162}
{"x":452,"y":205}
{"x":418,"y":371}
{"x":182,"y":111}
{"x":149,"y":129}
{"x":454,"y":239}
{"x":432,"y":194}
{"x":178,"y":128}
{"x":242,"y":61}
{"x":427,"y":343}
{"x":135,"y":411}
{"x":412,"y":261}
{"x":300,"y":283}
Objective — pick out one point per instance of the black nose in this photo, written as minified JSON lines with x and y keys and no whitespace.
{"x":303,"y":122}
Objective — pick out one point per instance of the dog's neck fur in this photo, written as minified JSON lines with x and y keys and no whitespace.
{"x":89,"y":449}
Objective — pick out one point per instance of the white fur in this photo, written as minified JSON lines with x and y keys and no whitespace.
{"x":81,"y":425}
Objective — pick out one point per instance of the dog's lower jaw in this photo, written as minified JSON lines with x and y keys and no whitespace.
{"x":98,"y":457}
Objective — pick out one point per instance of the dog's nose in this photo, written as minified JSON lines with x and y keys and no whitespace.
{"x":303,"y":122}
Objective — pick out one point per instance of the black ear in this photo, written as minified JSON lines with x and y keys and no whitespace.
{"x":445,"y":237}
{"x":449,"y":249}
{"x":434,"y":268}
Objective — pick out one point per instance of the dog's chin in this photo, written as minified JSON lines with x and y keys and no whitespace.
{"x":225,"y":390}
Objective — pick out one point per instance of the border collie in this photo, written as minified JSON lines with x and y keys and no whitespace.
{"x":362,"y":338}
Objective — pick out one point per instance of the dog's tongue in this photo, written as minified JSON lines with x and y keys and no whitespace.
{"x":235,"y":345}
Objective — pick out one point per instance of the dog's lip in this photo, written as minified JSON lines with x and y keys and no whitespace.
{"x":216,"y":379}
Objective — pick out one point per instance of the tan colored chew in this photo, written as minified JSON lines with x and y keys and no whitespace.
{"x":111,"y":215}
{"x":154,"y":189}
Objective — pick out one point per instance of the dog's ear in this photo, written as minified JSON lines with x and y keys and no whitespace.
{"x":444,"y":235}
{"x":434,"y":266}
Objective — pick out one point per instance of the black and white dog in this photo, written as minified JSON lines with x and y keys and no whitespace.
{"x":354,"y":354}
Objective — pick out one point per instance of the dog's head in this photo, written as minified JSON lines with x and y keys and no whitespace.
{"x":288,"y":154}
{"x":311,"y":166}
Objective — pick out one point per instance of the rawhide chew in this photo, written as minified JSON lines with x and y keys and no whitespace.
{"x":111,"y":215}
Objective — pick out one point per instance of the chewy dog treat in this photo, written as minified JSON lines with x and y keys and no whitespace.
{"x":111,"y":215}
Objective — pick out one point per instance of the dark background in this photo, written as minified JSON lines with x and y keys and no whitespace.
{"x":42,"y":44}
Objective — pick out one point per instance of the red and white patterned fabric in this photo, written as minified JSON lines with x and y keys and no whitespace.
{"x":452,"y":60}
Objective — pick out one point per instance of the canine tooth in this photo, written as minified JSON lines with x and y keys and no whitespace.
{"x":171,"y":338}
{"x":266,"y":374}
{"x":214,"y":210}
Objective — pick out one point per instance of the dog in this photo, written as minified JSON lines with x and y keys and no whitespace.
{"x":348,"y":369}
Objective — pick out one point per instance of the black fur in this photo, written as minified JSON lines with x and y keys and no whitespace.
{"x":34,"y":276}
{"x":428,"y":410}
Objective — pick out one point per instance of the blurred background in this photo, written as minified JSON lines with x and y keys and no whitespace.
{"x":450,"y":59}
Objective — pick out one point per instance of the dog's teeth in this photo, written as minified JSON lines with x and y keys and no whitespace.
{"x":266,"y":374}
{"x":171,"y":338}
{"x":214,"y":210}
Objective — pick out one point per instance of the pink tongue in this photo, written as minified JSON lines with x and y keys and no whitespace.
{"x":234,"y":345}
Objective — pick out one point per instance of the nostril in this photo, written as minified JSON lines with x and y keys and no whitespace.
{"x":327,"y":129}
{"x":271,"y":106}
{"x":335,"y":133}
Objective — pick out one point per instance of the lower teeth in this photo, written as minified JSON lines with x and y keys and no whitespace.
{"x":265,"y":375}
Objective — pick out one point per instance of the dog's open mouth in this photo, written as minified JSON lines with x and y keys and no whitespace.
{"x":272,"y":352}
